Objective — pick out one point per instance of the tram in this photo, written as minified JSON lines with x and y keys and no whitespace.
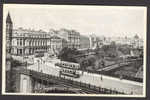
{"x":69,"y":73}
{"x":69,"y":65}
{"x":69,"y":69}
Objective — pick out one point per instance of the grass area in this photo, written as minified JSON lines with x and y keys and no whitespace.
{"x":128,"y":71}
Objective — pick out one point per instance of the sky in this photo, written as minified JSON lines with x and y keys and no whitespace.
{"x":100,"y":20}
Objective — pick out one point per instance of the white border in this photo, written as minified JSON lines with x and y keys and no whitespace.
{"x":92,"y":95}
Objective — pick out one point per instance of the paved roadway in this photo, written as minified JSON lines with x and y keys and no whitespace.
{"x":94,"y":79}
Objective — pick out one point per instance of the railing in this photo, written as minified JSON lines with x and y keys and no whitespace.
{"x":119,"y":64}
{"x":104,"y":71}
{"x":84,"y":86}
{"x":118,"y":76}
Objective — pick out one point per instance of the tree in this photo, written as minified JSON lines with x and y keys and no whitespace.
{"x":15,"y":63}
{"x":110,"y":50}
{"x":125,"y":49}
{"x":68,"y":54}
{"x":83,"y":64}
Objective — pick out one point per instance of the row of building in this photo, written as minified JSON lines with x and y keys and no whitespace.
{"x":134,"y":42}
{"x":26,"y":41}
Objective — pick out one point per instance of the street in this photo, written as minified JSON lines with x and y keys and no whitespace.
{"x":126,"y":86}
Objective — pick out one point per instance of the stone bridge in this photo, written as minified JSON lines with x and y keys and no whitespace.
{"x":37,"y":82}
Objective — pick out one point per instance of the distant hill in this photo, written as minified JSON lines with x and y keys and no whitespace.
{"x":84,"y":41}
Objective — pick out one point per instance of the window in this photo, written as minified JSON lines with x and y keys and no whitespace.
{"x":23,"y":42}
{"x":20,"y":42}
{"x":20,"y":51}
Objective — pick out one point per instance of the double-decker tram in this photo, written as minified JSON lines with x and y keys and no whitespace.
{"x":69,"y":69}
{"x":69,"y":65}
{"x":69,"y":73}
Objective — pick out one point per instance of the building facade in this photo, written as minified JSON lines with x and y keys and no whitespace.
{"x":27,"y":41}
{"x":72,"y":37}
{"x":84,"y":42}
{"x":56,"y":44}
{"x":95,"y":41}
{"x":134,"y":42}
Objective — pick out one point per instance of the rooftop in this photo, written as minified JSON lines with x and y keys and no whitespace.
{"x":28,"y":31}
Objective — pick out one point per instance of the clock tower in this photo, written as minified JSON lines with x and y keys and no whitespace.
{"x":9,"y":28}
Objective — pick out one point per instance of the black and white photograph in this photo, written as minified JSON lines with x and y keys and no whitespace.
{"x":74,"y":50}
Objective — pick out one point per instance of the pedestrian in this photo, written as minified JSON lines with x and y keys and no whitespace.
{"x":82,"y":72}
{"x":101,"y":78}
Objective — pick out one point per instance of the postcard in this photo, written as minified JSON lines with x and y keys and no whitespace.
{"x":74,"y":50}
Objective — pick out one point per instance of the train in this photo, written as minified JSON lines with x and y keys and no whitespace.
{"x":69,"y":69}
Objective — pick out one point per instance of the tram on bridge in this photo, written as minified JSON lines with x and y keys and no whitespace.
{"x":69,"y":65}
{"x":69,"y":73}
{"x":69,"y":69}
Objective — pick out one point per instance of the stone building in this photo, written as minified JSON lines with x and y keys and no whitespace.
{"x":137,"y":42}
{"x":27,"y":41}
{"x":72,"y":37}
{"x":95,"y":41}
{"x":57,"y":43}
{"x":84,"y":42}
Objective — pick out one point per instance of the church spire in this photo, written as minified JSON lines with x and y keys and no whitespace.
{"x":8,"y":19}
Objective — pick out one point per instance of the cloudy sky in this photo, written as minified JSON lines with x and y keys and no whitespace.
{"x":100,"y":20}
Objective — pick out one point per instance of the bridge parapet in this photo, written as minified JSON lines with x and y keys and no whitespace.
{"x":88,"y":88}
